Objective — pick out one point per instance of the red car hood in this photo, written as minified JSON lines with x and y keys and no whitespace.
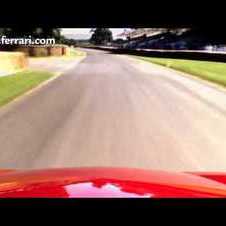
{"x":110,"y":182}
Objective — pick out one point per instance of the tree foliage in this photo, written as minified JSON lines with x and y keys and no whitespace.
{"x":68,"y":41}
{"x":101,"y":36}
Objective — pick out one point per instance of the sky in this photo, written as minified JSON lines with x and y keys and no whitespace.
{"x":84,"y":33}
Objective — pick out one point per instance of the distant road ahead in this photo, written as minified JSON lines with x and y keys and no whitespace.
{"x":112,"y":111}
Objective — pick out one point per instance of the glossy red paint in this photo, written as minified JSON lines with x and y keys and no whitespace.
{"x":110,"y":182}
{"x":217,"y":176}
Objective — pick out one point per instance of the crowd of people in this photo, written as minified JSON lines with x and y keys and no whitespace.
{"x":179,"y":39}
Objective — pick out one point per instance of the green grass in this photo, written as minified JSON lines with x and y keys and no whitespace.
{"x":77,"y":53}
{"x":14,"y":85}
{"x":211,"y":71}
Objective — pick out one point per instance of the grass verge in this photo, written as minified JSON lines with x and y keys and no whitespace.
{"x":77,"y":53}
{"x":211,"y":71}
{"x":14,"y":85}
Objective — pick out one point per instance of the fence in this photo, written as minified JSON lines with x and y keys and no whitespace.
{"x":178,"y":54}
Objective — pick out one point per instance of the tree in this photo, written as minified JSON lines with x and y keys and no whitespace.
{"x":68,"y":41}
{"x":101,"y":36}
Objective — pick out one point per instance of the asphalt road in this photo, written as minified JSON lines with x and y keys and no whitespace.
{"x":110,"y":110}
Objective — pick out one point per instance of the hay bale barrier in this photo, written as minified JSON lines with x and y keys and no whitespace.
{"x":44,"y":51}
{"x":18,"y":59}
{"x":11,"y":62}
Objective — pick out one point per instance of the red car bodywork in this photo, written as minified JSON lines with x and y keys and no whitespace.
{"x":110,"y":182}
